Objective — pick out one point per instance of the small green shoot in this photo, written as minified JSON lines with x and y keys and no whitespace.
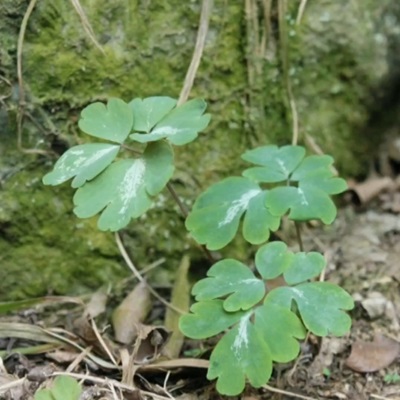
{"x":326,"y":372}
{"x":391,"y":378}
{"x":63,"y":388}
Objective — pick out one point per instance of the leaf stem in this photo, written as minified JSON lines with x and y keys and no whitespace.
{"x":139,"y":277}
{"x":182,"y":207}
{"x":185,"y":213}
{"x":298,"y":235}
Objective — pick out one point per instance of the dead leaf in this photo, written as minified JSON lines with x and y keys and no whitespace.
{"x":84,"y":329}
{"x":97,"y":304}
{"x":133,"y":310}
{"x":373,"y":356}
{"x":101,"y":345}
{"x":128,"y":367}
{"x":177,"y":363}
{"x":11,"y":388}
{"x":375,"y":304}
{"x":329,"y":348}
{"x":371,"y":188}
{"x":180,"y":299}
{"x":41,"y":373}
{"x":149,"y":343}
{"x":62,"y":357}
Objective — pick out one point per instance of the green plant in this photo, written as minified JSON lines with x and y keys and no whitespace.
{"x":259,"y":325}
{"x":63,"y":388}
{"x":326,"y":372}
{"x":391,"y":378}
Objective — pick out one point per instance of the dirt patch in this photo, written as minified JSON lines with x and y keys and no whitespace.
{"x":363,"y":253}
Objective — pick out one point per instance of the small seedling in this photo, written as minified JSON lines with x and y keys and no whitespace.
{"x":391,"y":378}
{"x":258,"y":325}
{"x":326,"y":372}
{"x":63,"y":388}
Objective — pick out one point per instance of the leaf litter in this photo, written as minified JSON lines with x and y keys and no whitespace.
{"x":363,"y":249}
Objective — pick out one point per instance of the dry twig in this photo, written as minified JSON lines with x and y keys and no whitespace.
{"x":140,"y":278}
{"x":198,"y":50}
{"x":285,"y":392}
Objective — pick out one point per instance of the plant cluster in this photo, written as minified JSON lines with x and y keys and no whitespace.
{"x":258,"y":324}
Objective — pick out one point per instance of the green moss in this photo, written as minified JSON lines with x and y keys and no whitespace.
{"x":44,"y":249}
{"x":333,"y":68}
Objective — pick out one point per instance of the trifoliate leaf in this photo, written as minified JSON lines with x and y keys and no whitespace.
{"x":273,"y":259}
{"x":207,"y":319}
{"x":216,"y":214}
{"x":321,"y":306}
{"x":232,"y":278}
{"x":240,"y":354}
{"x":85,"y":162}
{"x":148,"y":112}
{"x":123,"y":190}
{"x":276,"y":163}
{"x":113,"y":122}
{"x":280,"y":328}
{"x":180,"y":126}
{"x":312,"y":182}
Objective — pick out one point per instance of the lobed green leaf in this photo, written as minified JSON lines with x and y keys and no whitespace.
{"x":280,"y":329}
{"x":258,"y":220}
{"x":274,"y":259}
{"x":123,"y":191}
{"x":232,"y":278}
{"x":180,"y":126}
{"x":321,"y":306}
{"x":241,"y":353}
{"x":207,"y":319}
{"x":305,"y":202}
{"x":277,"y":163}
{"x":112,"y":122}
{"x":314,"y":165}
{"x":84,"y":162}
{"x":304,"y":266}
{"x":148,"y":112}
{"x":216,"y":214}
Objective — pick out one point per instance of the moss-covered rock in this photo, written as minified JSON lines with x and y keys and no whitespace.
{"x":43,"y":248}
{"x":334,"y":61}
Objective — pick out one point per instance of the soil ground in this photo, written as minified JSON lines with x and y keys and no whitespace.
{"x":363,"y":252}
